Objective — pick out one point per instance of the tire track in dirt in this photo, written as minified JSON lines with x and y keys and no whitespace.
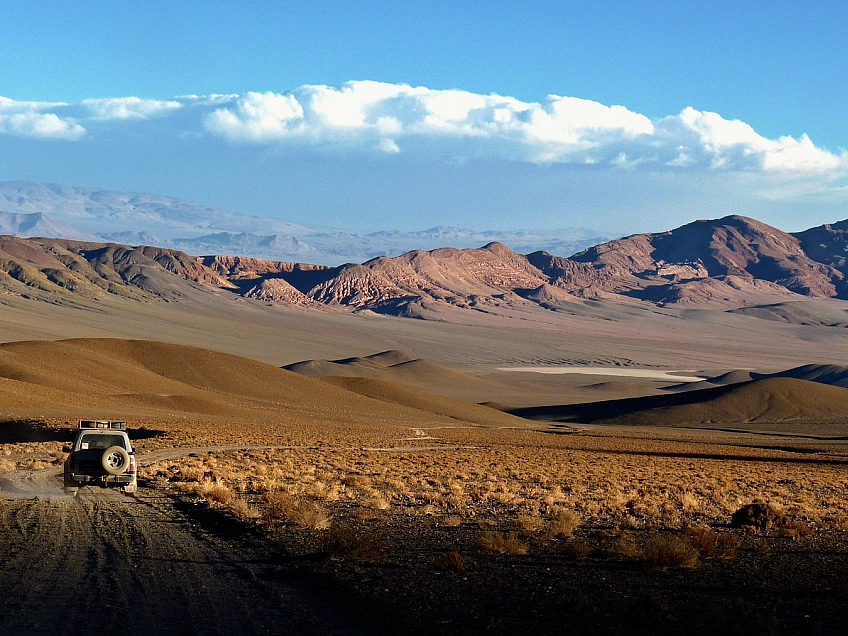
{"x":105,"y":563}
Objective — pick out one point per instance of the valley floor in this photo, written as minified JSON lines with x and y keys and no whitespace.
{"x":443,"y":531}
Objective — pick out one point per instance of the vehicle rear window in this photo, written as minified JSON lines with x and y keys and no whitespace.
{"x":100,"y":442}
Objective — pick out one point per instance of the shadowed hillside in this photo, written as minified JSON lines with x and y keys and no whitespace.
{"x":769,"y":400}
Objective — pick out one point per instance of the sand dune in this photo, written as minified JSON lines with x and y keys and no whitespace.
{"x":806,"y":312}
{"x":397,"y":367}
{"x":769,"y":400}
{"x":111,"y":377}
{"x":456,"y":409}
{"x":832,"y":374}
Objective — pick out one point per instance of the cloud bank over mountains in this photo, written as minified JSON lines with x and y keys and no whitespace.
{"x":378,"y":117}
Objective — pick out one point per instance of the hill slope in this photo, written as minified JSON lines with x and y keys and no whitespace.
{"x":768,"y":400}
{"x":734,"y":263}
{"x":109,"y":377}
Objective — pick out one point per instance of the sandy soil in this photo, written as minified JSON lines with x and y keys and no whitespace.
{"x":171,"y":560}
{"x":104,"y":562}
{"x":650,"y":374}
{"x":163,"y":563}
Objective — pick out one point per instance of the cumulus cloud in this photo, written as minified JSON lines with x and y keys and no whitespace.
{"x":128,"y":107}
{"x":708,"y":138}
{"x":34,"y":119}
{"x":559,"y":129}
{"x":379,"y":114}
{"x":455,"y":125}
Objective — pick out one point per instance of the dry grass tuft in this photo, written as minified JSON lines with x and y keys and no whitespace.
{"x":451,"y":562}
{"x":310,"y":516}
{"x":502,"y":543}
{"x":281,"y":508}
{"x":530,"y":523}
{"x":278,"y":507}
{"x":670,"y":552}
{"x":216,"y":491}
{"x":727,"y":545}
{"x":626,"y":546}
{"x":192,"y":473}
{"x":703,"y":539}
{"x":563,"y":525}
{"x":452,"y":521}
{"x":796,"y":530}
{"x":243,"y":510}
{"x":378,"y":503}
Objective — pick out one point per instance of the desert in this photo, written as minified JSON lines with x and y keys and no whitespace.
{"x":489,"y":463}
{"x":428,"y":318}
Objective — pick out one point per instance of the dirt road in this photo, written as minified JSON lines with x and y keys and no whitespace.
{"x":106,"y":563}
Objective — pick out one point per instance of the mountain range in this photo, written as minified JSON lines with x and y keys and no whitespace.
{"x":733,"y":263}
{"x":55,"y":211}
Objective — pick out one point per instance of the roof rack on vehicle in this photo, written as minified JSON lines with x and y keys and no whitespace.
{"x":121,"y":426}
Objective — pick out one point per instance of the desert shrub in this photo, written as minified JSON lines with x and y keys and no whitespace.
{"x":530,"y":523}
{"x":242,"y":509}
{"x":704,"y":540}
{"x":192,"y":473}
{"x":451,"y":562}
{"x":378,"y":503}
{"x":563,"y":525}
{"x":502,"y":543}
{"x":726,"y":545}
{"x":758,"y":515}
{"x":343,"y":543}
{"x":625,"y":545}
{"x":216,"y":491}
{"x":452,"y":521}
{"x":670,"y":552}
{"x":278,"y":507}
{"x":631,"y":522}
{"x":796,"y":529}
{"x":310,"y":516}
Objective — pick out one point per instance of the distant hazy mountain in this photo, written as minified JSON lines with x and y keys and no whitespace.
{"x":733,"y":264}
{"x":135,"y":218}
{"x":38,"y":224}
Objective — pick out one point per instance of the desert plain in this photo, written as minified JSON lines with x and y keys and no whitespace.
{"x":491,"y":467}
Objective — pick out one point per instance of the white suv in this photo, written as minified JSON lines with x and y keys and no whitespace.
{"x":101,"y":455}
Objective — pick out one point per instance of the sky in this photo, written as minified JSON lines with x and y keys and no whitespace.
{"x":617,"y":116}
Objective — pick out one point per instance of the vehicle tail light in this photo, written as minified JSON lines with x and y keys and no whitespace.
{"x":132,"y":464}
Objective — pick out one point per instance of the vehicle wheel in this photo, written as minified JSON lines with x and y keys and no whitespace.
{"x":71,"y":492}
{"x":115,"y":460}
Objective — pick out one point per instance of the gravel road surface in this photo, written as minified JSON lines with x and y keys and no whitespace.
{"x":106,"y":563}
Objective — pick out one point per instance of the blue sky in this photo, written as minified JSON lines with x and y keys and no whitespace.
{"x":620,"y":116}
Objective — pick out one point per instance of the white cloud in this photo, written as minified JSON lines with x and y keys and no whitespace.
{"x":735,"y":144}
{"x":377,"y":113}
{"x":453,"y":125}
{"x":560,"y":129}
{"x":258,"y":117}
{"x":32,"y":119}
{"x":128,"y":107}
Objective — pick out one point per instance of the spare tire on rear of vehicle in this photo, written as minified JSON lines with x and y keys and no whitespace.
{"x":115,"y":460}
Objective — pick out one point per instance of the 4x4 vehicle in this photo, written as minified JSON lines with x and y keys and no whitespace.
{"x":101,"y":455}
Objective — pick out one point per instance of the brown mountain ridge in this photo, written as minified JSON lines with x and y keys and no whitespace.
{"x":730,"y":263}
